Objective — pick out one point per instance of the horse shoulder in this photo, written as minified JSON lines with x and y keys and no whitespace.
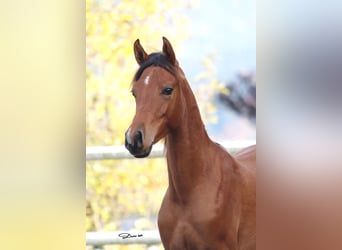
{"x":246,"y":160}
{"x":239,"y":174}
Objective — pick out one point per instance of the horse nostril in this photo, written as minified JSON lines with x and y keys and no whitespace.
{"x":138,"y":140}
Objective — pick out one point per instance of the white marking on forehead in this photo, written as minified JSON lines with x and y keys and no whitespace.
{"x":146,"y":80}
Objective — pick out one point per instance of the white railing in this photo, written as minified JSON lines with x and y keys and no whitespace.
{"x":99,"y":239}
{"x":120,"y":152}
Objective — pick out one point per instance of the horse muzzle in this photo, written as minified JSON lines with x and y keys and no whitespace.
{"x":135,"y":144}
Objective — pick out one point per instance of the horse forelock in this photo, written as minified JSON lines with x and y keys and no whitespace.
{"x":155,"y":59}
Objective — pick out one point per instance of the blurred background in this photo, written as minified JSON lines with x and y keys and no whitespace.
{"x":43,"y":98}
{"x":214,"y":42}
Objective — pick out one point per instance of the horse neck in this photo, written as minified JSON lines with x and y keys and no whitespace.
{"x":186,"y":148}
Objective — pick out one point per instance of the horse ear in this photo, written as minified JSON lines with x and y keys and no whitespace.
{"x":168,"y":51}
{"x":139,"y":52}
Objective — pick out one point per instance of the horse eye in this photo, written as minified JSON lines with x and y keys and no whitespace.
{"x":167,"y":91}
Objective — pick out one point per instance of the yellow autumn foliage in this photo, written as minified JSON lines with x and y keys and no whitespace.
{"x":118,"y":189}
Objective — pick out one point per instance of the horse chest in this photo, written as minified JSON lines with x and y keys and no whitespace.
{"x":186,"y":236}
{"x":195,"y":226}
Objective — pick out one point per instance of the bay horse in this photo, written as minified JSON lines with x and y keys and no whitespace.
{"x":210,"y":201}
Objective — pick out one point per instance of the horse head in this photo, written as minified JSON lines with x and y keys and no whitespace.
{"x":157,"y":95}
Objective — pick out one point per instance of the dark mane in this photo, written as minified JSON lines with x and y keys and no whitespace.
{"x":155,"y":59}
